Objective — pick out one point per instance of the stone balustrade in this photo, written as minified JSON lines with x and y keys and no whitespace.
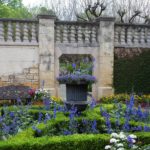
{"x":76,"y":32}
{"x":14,"y":31}
{"x":132,"y":35}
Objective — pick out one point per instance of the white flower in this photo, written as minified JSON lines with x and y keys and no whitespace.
{"x":133,"y":136}
{"x":122,"y":136}
{"x":133,"y":141}
{"x":107,"y":147}
{"x":122,"y":133}
{"x":121,"y":148}
{"x":115,"y":135}
{"x":113,"y":140}
{"x":119,"y":145}
{"x":134,"y":147}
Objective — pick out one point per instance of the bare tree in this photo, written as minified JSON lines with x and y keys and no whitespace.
{"x":127,"y":11}
{"x":132,"y":11}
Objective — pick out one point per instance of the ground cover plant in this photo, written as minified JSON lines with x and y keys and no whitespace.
{"x":53,"y":122}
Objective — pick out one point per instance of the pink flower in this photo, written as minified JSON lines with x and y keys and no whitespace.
{"x":31,"y":92}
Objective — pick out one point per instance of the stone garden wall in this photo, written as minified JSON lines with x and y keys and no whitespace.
{"x":30,"y":50}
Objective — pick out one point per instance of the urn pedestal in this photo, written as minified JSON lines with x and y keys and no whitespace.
{"x":76,"y":96}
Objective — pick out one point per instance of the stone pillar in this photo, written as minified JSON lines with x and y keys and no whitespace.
{"x":106,"y":57}
{"x":46,"y":52}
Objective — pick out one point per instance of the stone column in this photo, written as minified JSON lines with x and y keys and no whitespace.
{"x":46,"y":52}
{"x":106,"y":57}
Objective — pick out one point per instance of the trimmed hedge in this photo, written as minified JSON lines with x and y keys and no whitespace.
{"x":71,"y":142}
{"x":125,"y":97}
{"x":132,"y":74}
{"x":25,"y":141}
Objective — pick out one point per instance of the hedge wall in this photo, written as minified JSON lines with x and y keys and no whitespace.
{"x":25,"y":141}
{"x":132,"y":74}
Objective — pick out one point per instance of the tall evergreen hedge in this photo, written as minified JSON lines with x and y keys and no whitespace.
{"x":132,"y":74}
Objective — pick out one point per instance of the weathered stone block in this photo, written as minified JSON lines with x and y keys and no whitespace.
{"x":26,"y":71}
{"x":36,"y":77}
{"x":4,"y":78}
{"x":30,"y":77}
{"x":34,"y":70}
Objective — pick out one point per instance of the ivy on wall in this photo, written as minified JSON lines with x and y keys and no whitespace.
{"x":132,"y":74}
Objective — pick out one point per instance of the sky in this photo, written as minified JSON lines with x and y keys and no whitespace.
{"x":31,"y":2}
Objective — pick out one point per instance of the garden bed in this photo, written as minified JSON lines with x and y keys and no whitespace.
{"x":52,"y":126}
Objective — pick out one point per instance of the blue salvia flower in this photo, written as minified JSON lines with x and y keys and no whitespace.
{"x":101,"y":110}
{"x":54,"y":112}
{"x":94,"y":127}
{"x":67,"y":132}
{"x":139,"y":128}
{"x":6,"y":129}
{"x":146,"y":115}
{"x":126,"y":126}
{"x":139,"y":113}
{"x":11,"y":114}
{"x":93,"y":103}
{"x":107,"y":122}
{"x":47,"y":117}
{"x":131,"y":103}
{"x":146,"y":129}
{"x":74,"y":66}
{"x":130,"y":141}
{"x":47,"y":103}
{"x":40,"y":117}
{"x":117,"y":120}
{"x":36,"y":129}
{"x":18,"y":100}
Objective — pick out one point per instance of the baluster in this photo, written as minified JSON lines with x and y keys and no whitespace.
{"x":122,"y":36}
{"x":87,"y":34}
{"x":9,"y":32}
{"x":136,"y":36}
{"x":1,"y":32}
{"x":84,"y":34}
{"x":80,"y":34}
{"x":65,"y":34}
{"x":37,"y":32}
{"x":26,"y":34}
{"x":146,"y":34}
{"x":17,"y":37}
{"x":148,"y":37}
{"x":142,"y":36}
{"x":73,"y":34}
{"x":34,"y":32}
{"x":57,"y":33}
{"x":61,"y":27}
{"x":129,"y":36}
{"x":116,"y":36}
{"x":94,"y":35}
{"x":69,"y":33}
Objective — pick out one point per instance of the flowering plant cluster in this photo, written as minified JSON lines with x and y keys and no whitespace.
{"x":14,"y":121}
{"x":57,"y":99}
{"x":128,"y":114}
{"x":38,"y":94}
{"x":122,"y":141}
{"x":77,"y":74}
{"x":76,"y":78}
{"x":144,"y":100}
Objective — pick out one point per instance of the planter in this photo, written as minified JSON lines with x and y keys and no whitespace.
{"x":76,"y":95}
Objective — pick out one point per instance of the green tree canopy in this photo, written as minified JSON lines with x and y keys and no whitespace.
{"x":13,"y":9}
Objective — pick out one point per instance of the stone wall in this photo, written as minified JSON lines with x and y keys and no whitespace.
{"x":30,"y":50}
{"x":29,"y":77}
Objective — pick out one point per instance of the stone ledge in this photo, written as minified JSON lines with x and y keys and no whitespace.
{"x":7,"y":43}
{"x":46,"y":17}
